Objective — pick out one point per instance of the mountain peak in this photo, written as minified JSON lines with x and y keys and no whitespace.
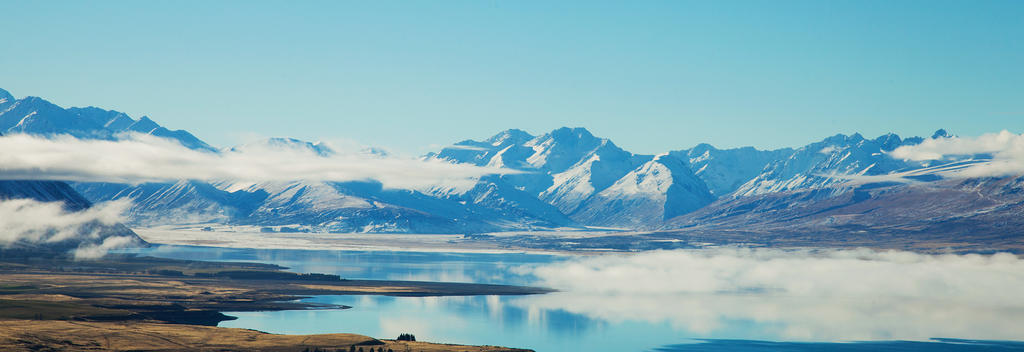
{"x":509,"y":136}
{"x":31,"y":99}
{"x":700,"y":149}
{"x":843,"y":139}
{"x":941,"y":133}
{"x":144,"y":125}
{"x":39,"y":104}
{"x":889,"y":141}
{"x":577,"y":132}
{"x":5,"y":96}
{"x":671,"y":161}
{"x":286,"y":143}
{"x":109,"y":119}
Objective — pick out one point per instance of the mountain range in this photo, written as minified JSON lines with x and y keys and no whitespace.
{"x":569,"y":178}
{"x":35,"y":115}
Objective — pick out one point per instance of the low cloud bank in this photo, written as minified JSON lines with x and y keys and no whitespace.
{"x":795,"y":295}
{"x":1005,"y":148}
{"x":27,"y":222}
{"x":142,"y":158}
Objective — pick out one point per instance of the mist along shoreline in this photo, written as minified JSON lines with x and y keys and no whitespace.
{"x":125,"y":292}
{"x":575,"y":243}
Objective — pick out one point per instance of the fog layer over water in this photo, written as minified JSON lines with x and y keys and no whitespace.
{"x":641,"y":301}
{"x":796,"y":295}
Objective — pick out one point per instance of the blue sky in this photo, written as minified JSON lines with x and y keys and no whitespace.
{"x":650,"y":75}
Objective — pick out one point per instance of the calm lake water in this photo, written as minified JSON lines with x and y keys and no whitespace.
{"x":604,"y":308}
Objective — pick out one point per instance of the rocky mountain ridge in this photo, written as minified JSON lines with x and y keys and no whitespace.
{"x":565,"y":178}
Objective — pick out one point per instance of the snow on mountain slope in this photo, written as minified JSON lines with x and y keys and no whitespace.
{"x":176,"y":203}
{"x":367,"y":206}
{"x":438,"y":214}
{"x":300,"y":202}
{"x":225,"y":201}
{"x":559,"y":150}
{"x":829,"y":162}
{"x":725,"y":170}
{"x":109,"y":119}
{"x":586,"y":177}
{"x":6,"y":99}
{"x":34,"y":115}
{"x":324,"y":206}
{"x":656,"y":190}
{"x":605,"y":165}
{"x":319,"y":148}
{"x":37,"y":116}
{"x":945,"y":214}
{"x":567,"y":177}
{"x":494,"y":193}
{"x":482,"y":153}
{"x":563,"y":167}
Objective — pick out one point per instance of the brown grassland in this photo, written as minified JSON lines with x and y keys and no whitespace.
{"x":148,"y":304}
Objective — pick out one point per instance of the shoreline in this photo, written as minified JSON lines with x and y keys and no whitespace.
{"x":432,"y":243}
{"x":172,"y":302}
{"x":552,"y":243}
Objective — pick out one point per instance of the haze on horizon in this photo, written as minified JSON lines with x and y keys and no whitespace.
{"x":651,"y":76}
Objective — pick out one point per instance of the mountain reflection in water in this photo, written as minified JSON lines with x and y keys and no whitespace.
{"x":727,"y":300}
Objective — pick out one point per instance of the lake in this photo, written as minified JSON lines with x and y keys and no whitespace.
{"x":666,"y":301}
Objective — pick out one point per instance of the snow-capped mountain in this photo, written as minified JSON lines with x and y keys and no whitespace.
{"x":497,"y":194}
{"x":725,"y":170}
{"x":34,"y":115}
{"x":831,"y":161}
{"x":180,"y":202}
{"x":309,"y":205}
{"x":565,"y":178}
{"x":320,"y":148}
{"x":584,"y":177}
{"x":6,"y":99}
{"x":657,"y":190}
{"x":939,"y":215}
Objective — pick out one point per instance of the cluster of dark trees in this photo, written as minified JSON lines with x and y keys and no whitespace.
{"x":354,"y":348}
{"x":270,"y":275}
{"x":351,"y":349}
{"x":379,"y":349}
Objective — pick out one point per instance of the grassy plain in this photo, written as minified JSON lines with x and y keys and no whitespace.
{"x":129,"y":303}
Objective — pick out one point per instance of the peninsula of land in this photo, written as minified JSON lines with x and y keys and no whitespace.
{"x":125,"y":302}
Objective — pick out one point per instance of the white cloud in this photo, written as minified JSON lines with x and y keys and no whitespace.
{"x":829,"y":150}
{"x":141,"y":158}
{"x":795,"y":295}
{"x":48,"y":223}
{"x":1006,"y":149}
{"x":94,"y":251}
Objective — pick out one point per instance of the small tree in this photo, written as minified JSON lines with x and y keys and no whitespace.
{"x":406,"y":337}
